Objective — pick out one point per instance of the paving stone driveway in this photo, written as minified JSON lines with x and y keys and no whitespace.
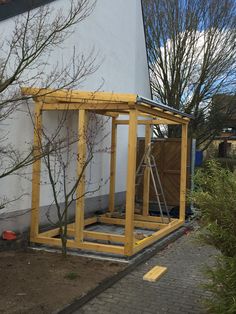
{"x":178,"y":291}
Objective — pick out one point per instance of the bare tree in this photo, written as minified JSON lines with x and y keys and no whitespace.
{"x":192,"y":56}
{"x":60,"y":158}
{"x":26,"y":56}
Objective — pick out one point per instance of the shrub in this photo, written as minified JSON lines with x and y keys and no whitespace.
{"x":215,"y":196}
{"x":222,"y":286}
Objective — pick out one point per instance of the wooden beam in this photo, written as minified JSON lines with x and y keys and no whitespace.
{"x":148,"y":122}
{"x":55,"y":232}
{"x":72,"y":95}
{"x":138,"y":224}
{"x":107,"y":113}
{"x":162,"y":114}
{"x":71,"y":227}
{"x":152,"y":218}
{"x":50,"y":233}
{"x":90,"y":220}
{"x":113,"y":166}
{"x":34,"y":225}
{"x":87,"y":221}
{"x":130,"y":183}
{"x":146,"y":178}
{"x":104,"y":236}
{"x":155,"y":273}
{"x":140,"y":245}
{"x":79,"y":212}
{"x":105,"y":248}
{"x":54,"y":241}
{"x":106,"y":106}
{"x":183,"y":171}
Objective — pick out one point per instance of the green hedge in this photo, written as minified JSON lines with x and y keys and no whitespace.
{"x":215,"y":196}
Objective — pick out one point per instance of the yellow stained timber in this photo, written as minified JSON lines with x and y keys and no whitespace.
{"x":155,"y":273}
{"x":113,"y":166}
{"x":79,"y":212}
{"x":34,"y":227}
{"x":73,"y":96}
{"x":146,"y":179}
{"x":152,"y":218}
{"x":157,"y":235}
{"x":87,"y":106}
{"x":138,"y":224}
{"x":104,"y":236}
{"x":71,"y":227}
{"x":150,"y":122}
{"x":130,"y":183}
{"x":161,"y":114}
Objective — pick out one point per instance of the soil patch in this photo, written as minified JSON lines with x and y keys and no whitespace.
{"x":41,"y":282}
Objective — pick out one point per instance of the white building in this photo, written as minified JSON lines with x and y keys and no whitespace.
{"x":115,"y":30}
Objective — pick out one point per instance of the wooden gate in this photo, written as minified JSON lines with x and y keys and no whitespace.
{"x":167,"y":153}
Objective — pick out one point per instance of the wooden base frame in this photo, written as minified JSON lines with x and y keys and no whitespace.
{"x":140,"y":112}
{"x":114,"y":243}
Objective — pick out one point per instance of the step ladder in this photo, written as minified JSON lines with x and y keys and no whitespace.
{"x":148,"y":161}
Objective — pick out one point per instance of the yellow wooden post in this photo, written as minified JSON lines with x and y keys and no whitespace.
{"x":113,"y":166}
{"x":130,"y":192}
{"x":183,"y":173}
{"x":79,"y":211}
{"x":146,"y":180}
{"x":34,"y":229}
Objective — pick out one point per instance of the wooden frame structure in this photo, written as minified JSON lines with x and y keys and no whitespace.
{"x":139,"y":111}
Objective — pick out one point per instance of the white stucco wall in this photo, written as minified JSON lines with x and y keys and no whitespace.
{"x":115,"y":31}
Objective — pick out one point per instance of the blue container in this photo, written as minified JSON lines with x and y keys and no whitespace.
{"x":198,"y":158}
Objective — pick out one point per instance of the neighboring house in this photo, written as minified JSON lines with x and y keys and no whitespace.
{"x":225,"y":143}
{"x":115,"y":30}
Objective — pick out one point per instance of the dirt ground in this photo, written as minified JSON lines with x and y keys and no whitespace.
{"x":41,"y":282}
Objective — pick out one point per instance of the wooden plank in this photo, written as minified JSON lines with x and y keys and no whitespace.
{"x":85,"y":106}
{"x":140,"y":245}
{"x":130,"y":183}
{"x":113,"y":166}
{"x":152,"y":218}
{"x":137,"y":224}
{"x":87,"y":221}
{"x":104,"y":236}
{"x":34,"y":225}
{"x":50,"y":233}
{"x":71,"y":228}
{"x":146,"y":179}
{"x":90,"y":220}
{"x":149,"y":122}
{"x":79,"y":212}
{"x":183,"y":173}
{"x":54,"y":241}
{"x":107,"y":113}
{"x":161,"y":114}
{"x":167,"y":153}
{"x":72,"y":95}
{"x":155,"y":273}
{"x":105,"y":248}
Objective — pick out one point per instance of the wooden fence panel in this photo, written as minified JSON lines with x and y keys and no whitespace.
{"x":167,"y":153}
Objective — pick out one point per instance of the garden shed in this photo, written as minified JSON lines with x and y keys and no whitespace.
{"x":123,"y":109}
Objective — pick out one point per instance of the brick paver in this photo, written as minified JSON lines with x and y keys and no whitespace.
{"x":178,"y":291}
